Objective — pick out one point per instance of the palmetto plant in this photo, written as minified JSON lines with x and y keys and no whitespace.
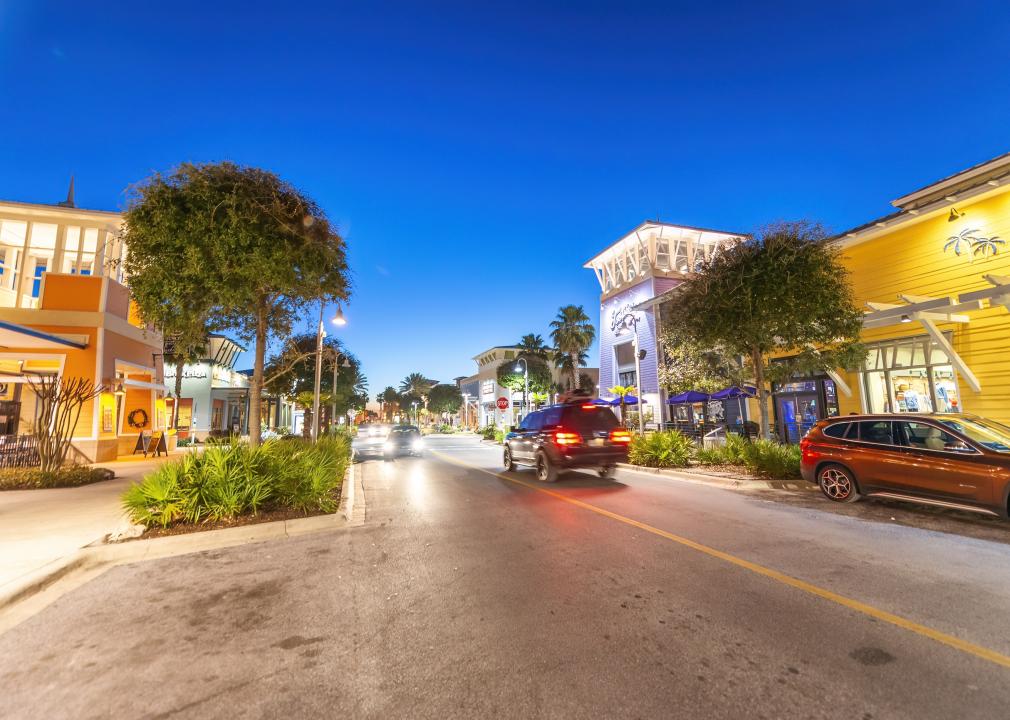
{"x":623,"y":391}
{"x":572,"y":333}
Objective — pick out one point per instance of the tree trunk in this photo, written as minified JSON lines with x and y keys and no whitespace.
{"x":575,"y":370}
{"x":256,"y":387}
{"x":757,"y":360}
{"x":178,"y":393}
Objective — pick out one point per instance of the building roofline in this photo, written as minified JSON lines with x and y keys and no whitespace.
{"x":59,"y":208}
{"x":993,"y":165}
{"x":693,"y":228}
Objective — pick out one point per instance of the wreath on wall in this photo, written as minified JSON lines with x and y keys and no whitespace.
{"x":137,"y":418}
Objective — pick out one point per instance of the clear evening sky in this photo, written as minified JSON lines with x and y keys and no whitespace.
{"x":475,"y":158}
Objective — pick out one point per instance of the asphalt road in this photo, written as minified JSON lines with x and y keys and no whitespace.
{"x":473,"y":594}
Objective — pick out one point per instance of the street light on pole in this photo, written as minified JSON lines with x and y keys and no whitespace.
{"x":338,"y":319}
{"x":336,"y":366}
{"x":526,"y":383}
{"x":415,"y":413}
{"x":638,"y":374}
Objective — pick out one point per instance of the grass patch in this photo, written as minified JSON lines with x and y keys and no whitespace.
{"x":665,"y":449}
{"x":35,"y":479}
{"x":227,"y":481}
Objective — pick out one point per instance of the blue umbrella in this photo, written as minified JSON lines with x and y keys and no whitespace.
{"x":732,"y":393}
{"x":628,"y":400}
{"x":691,"y":396}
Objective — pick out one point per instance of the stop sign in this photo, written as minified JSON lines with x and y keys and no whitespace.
{"x":503,"y":403}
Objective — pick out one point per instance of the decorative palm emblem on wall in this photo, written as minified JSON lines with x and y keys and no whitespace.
{"x":968,"y":242}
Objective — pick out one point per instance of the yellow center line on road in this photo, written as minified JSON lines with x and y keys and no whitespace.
{"x":861,"y":607}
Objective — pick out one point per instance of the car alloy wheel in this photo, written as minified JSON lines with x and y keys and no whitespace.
{"x":508,"y":462}
{"x":545,"y":470}
{"x":837,"y":484}
{"x":607,"y":471}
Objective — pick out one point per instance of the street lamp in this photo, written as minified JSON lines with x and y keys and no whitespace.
{"x":320,"y":334}
{"x":633,"y":321}
{"x":526,"y":383}
{"x":337,"y":366}
{"x":466,"y":410}
{"x":415,"y":413}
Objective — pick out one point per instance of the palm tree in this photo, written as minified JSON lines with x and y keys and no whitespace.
{"x":416,"y":384}
{"x":532,"y":345}
{"x":623,"y":391}
{"x":572,"y":333}
{"x":389,"y":399}
{"x":563,"y":362}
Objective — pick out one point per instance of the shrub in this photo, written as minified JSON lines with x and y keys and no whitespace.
{"x":499,"y":435}
{"x":34,"y":478}
{"x":759,"y":456}
{"x":228,"y":480}
{"x":665,"y":449}
{"x":489,"y":432}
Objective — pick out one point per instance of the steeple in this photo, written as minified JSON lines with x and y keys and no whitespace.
{"x":69,"y":202}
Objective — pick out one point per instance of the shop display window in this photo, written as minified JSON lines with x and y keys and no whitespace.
{"x":909,"y":376}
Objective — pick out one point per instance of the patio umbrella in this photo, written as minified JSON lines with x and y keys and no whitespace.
{"x":736,"y":393}
{"x":628,"y":400}
{"x":691,"y":396}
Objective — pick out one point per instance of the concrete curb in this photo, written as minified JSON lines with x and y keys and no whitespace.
{"x":41,"y":587}
{"x":718,"y":480}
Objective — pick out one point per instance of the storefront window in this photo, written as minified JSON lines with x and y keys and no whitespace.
{"x":909,"y":376}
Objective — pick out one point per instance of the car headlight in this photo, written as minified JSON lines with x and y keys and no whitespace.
{"x":388,"y":445}
{"x":417,"y":444}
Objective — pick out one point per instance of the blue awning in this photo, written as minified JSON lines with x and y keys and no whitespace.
{"x":628,"y":400}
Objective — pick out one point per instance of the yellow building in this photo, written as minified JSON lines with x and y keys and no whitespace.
{"x":65,"y":311}
{"x":934,"y":279}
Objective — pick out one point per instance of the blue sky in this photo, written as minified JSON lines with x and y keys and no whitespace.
{"x":476,"y":157}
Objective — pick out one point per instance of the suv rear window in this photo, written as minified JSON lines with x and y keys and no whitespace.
{"x":588,"y":419}
{"x":837,"y":430}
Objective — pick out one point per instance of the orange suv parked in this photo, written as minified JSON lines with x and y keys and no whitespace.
{"x":950,"y":460}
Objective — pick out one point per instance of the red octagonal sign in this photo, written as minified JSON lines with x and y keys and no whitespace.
{"x":503,"y":403}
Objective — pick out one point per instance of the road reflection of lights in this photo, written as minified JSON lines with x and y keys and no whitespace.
{"x":417,"y":485}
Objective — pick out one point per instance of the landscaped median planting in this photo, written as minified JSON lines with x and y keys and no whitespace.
{"x":671,"y":449}
{"x":65,"y":477}
{"x":231,"y":482}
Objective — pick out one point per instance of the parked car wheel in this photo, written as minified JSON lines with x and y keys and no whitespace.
{"x":508,"y":462}
{"x":605,"y":472}
{"x":546,"y":472}
{"x":837,"y":483}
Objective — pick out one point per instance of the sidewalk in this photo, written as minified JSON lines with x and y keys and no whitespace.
{"x":42,"y":527}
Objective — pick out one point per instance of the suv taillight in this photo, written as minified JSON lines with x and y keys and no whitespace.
{"x":620,"y":436}
{"x":563,"y":437}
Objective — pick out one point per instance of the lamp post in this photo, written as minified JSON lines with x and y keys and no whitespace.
{"x":526,"y":383}
{"x":336,"y":366}
{"x":638,"y":372}
{"x":320,"y":334}
{"x":466,"y":410}
{"x":415,"y":413}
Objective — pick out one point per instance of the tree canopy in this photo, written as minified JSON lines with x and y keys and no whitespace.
{"x":686,"y":365}
{"x":781,"y":300}
{"x":236,"y":245}
{"x":444,"y":398}
{"x":539,"y":373}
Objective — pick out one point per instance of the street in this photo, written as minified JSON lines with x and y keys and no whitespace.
{"x":474,"y":593}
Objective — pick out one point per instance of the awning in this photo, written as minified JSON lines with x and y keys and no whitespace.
{"x":145,"y":385}
{"x":628,"y":400}
{"x":19,"y":336}
{"x":930,"y":310}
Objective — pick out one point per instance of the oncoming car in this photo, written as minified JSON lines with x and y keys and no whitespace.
{"x":403,"y":440}
{"x":573,"y":435}
{"x":949,"y":460}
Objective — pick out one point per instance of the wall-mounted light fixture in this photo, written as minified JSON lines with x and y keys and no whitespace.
{"x":119,"y":389}
{"x":954,"y":215}
{"x":906,"y":319}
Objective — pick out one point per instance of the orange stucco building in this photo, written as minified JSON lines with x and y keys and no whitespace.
{"x":65,"y":310}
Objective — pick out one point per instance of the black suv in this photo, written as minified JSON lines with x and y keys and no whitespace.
{"x":577,"y":434}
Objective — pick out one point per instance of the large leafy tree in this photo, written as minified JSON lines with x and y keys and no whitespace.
{"x":237,"y":245}
{"x":292,"y":372}
{"x":688,"y":366}
{"x":390,"y":400}
{"x":445,"y":398}
{"x":572,"y":333}
{"x":783,"y":294}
